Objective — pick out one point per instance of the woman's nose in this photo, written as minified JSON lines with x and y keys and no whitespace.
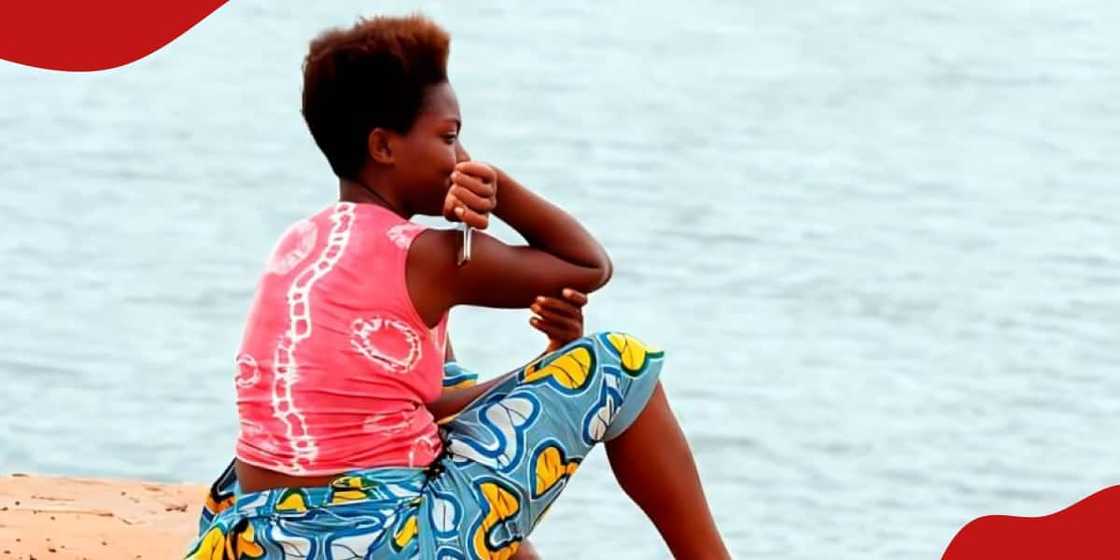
{"x":461,"y":154}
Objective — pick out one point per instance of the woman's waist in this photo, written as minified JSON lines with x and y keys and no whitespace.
{"x":307,"y":454}
{"x":265,"y":491}
{"x":251,"y":478}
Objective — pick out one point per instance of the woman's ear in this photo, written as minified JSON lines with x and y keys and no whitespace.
{"x":379,"y":145}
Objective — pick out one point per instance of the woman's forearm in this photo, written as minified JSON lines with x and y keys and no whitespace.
{"x":452,"y":401}
{"x":547,"y":227}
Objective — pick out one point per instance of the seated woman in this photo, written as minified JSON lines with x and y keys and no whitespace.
{"x":559,"y":319}
{"x":339,"y":372}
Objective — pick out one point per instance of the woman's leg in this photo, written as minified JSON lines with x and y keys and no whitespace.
{"x":456,"y":376}
{"x":652,"y":462}
{"x":510,"y":453}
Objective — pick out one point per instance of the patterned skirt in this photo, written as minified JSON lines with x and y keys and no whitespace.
{"x":507,"y":456}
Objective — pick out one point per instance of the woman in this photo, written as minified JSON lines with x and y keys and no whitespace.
{"x":339,"y":372}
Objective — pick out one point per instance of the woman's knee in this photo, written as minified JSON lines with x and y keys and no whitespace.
{"x":634,"y":355}
{"x":620,"y":356}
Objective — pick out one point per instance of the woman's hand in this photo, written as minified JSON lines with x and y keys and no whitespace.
{"x":559,"y":318}
{"x":473,"y":194}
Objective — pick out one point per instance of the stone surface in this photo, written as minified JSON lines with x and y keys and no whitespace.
{"x":45,"y":518}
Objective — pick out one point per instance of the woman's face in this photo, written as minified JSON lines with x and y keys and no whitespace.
{"x":426,"y":156}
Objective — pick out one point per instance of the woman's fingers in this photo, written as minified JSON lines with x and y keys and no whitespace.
{"x":478,"y":169}
{"x":474,"y":184}
{"x":472,"y":200}
{"x":456,"y":211}
{"x":450,"y":203}
{"x":563,"y":331}
{"x":577,"y":298}
{"x":471,"y":218}
{"x":559,"y":318}
{"x":553,"y":316}
{"x":557,"y":306}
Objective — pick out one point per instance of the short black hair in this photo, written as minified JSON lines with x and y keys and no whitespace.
{"x":371,"y":75}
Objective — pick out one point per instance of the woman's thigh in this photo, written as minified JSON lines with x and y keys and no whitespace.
{"x":511,"y":452}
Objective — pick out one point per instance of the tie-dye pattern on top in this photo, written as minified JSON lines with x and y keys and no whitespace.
{"x":336,"y":364}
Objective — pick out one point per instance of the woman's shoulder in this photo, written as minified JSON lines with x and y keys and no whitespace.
{"x":347,"y":221}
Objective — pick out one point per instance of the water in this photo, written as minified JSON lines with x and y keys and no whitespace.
{"x":877,"y":239}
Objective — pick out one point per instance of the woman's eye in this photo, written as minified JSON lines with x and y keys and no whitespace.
{"x":450,"y":138}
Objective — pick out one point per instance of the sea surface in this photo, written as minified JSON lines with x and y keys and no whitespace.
{"x":879,"y":241}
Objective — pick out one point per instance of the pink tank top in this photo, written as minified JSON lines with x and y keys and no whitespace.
{"x":336,"y":364}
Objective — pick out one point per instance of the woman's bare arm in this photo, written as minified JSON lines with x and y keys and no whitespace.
{"x":548,"y":228}
{"x":560,"y":253}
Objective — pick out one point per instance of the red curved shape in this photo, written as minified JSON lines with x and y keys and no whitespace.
{"x":93,"y":35}
{"x":1089,"y":529}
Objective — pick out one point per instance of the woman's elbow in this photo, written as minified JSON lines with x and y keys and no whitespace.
{"x":607,"y":271}
{"x":598,"y":276}
{"x":586,"y":277}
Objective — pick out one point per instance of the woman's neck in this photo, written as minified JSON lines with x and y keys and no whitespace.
{"x":360,"y":193}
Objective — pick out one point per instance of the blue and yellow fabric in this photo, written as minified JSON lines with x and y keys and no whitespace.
{"x":456,"y":376}
{"x":506,"y":458}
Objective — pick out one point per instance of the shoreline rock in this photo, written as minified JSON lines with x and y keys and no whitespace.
{"x":47,"y":518}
